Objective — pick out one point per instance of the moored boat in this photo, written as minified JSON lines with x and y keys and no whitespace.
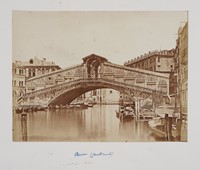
{"x":19,"y":110}
{"x":157,"y":126}
{"x":125,"y":113}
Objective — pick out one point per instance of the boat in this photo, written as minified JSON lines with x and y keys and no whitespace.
{"x":161,"y":110}
{"x":40,"y":108}
{"x":29,"y":108}
{"x":157,"y":126}
{"x":125,"y":113}
{"x":19,"y":110}
{"x":90,"y":104}
{"x":78,"y":106}
{"x":83,"y":106}
{"x":145,"y":117}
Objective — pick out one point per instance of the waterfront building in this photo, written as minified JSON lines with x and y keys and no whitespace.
{"x":107,"y":96}
{"x":18,"y":82}
{"x":181,"y":61}
{"x":101,"y":96}
{"x":36,"y":67}
{"x":158,"y":61}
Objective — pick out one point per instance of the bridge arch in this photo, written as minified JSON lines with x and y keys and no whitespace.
{"x":67,"y":95}
{"x":94,"y":73}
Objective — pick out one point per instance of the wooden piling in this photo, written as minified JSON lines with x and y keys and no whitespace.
{"x":170,"y":128}
{"x":24,"y":126}
{"x":166,"y":125}
{"x":178,"y":129}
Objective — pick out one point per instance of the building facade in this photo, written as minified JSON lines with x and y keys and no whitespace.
{"x":107,"y":96}
{"x":158,"y":61}
{"x":18,"y":82}
{"x":36,"y":67}
{"x":182,"y":69}
{"x":101,"y":96}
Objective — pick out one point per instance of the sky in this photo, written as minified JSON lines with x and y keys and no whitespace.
{"x":67,"y":37}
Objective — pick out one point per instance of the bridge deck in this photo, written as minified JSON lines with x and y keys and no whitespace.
{"x":95,"y":81}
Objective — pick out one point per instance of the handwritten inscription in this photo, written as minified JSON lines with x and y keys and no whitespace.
{"x":80,"y":154}
{"x":94,"y":154}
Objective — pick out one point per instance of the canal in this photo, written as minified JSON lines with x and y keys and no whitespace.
{"x":94,"y":124}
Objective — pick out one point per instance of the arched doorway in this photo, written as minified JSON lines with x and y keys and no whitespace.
{"x":92,"y":68}
{"x":93,"y":64}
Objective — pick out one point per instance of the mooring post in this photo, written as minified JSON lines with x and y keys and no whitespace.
{"x":178,"y":129}
{"x":166,"y":125}
{"x":170,"y":128}
{"x":136,"y":109}
{"x":24,"y":126}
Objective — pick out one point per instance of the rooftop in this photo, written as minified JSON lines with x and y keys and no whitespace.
{"x":169,"y":53}
{"x":35,"y":62}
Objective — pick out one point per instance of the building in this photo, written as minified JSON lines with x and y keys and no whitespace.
{"x":158,"y":61}
{"x":181,"y":60}
{"x":107,"y":96}
{"x":18,"y":82}
{"x":101,"y":96}
{"x":36,"y":67}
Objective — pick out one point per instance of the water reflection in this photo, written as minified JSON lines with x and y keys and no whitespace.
{"x":98,"y":123}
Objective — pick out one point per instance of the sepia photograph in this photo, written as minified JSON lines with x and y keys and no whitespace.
{"x":100,"y":76}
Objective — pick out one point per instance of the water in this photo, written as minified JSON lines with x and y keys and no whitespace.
{"x":96,"y":124}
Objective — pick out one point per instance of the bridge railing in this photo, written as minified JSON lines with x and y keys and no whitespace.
{"x":55,"y":87}
{"x":114,"y":83}
{"x":94,"y":80}
{"x":137,"y":70}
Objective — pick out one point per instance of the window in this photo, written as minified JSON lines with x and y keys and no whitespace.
{"x":20,"y":83}
{"x":14,"y":82}
{"x":158,"y":59}
{"x":158,"y":65}
{"x":110,"y":91}
{"x":29,"y":72}
{"x":33,"y":72}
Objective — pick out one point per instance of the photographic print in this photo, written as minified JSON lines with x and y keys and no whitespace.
{"x":100,"y":76}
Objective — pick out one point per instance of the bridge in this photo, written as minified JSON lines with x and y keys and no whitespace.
{"x":61,"y":87}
